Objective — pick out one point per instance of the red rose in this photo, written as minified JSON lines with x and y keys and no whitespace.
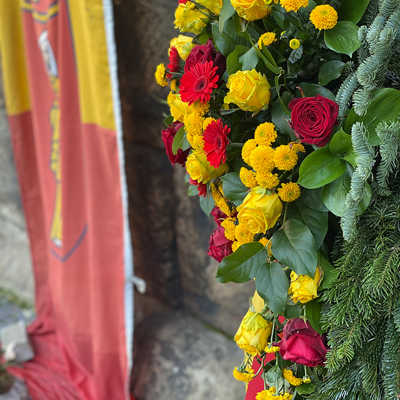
{"x":174,"y":58}
{"x":215,"y":142}
{"x":206,"y":52}
{"x":218,"y":215}
{"x":302,"y":344}
{"x":219,"y":246}
{"x":167,"y":136}
{"x":313,"y":119}
{"x":201,"y":187}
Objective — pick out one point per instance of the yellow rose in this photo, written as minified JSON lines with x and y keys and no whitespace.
{"x":189,"y":19}
{"x":253,"y":333}
{"x":259,"y":211}
{"x":183,"y":45}
{"x":200,"y":170}
{"x":177,"y":107}
{"x":213,"y":5}
{"x":251,"y":9}
{"x":249,"y":90}
{"x":304,"y":288}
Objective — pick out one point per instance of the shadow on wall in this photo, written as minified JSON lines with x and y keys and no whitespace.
{"x":180,"y":350}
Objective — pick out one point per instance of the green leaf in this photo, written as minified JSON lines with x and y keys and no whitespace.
{"x":274,"y":378}
{"x":330,"y":273}
{"x":272,"y":285}
{"x":233,"y":188}
{"x":293,"y":311}
{"x":241,"y":265}
{"x":249,"y":60}
{"x":312,"y":89}
{"x":280,"y":118}
{"x":227,"y":40}
{"x":294,"y":246}
{"x":305,"y":388}
{"x":192,"y":190}
{"x":178,"y":140}
{"x":341,"y":144}
{"x":313,"y":314}
{"x":343,"y":38}
{"x":227,"y":11}
{"x":207,"y":203}
{"x":168,"y":121}
{"x":330,"y":71}
{"x":353,"y":10}
{"x":232,"y":61}
{"x":320,"y":168}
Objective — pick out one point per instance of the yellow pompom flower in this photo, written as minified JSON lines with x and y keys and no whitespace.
{"x":293,"y":5}
{"x":189,"y":19}
{"x":159,"y":75}
{"x":265,"y":134}
{"x":247,"y":149}
{"x":253,"y":333}
{"x":285,"y":158}
{"x":267,"y":394}
{"x":177,"y":107}
{"x":193,"y":124}
{"x":229,"y":228}
{"x":294,"y":44}
{"x":289,"y":192}
{"x":200,"y":108}
{"x":307,"y":379}
{"x":251,"y":10}
{"x":248,"y":177}
{"x":207,"y":121}
{"x":297,"y":147}
{"x":267,"y":179}
{"x":200,"y":170}
{"x":183,"y":44}
{"x":249,"y":90}
{"x":259,"y":211}
{"x":324,"y":17}
{"x":289,"y":376}
{"x":174,"y":85}
{"x":197,"y":142}
{"x":304,"y":288}
{"x":243,"y":376}
{"x":235,"y":245}
{"x":269,"y":349}
{"x":213,"y":5}
{"x":242,"y":234}
{"x":262,"y":158}
{"x":266,"y":39}
{"x":219,"y":199}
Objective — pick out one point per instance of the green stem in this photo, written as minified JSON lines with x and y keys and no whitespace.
{"x":271,"y":65}
{"x":278,"y":91}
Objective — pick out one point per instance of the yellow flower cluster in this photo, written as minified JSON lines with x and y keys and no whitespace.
{"x":160,"y":75}
{"x":293,"y":380}
{"x":243,"y":375}
{"x":270,"y":395}
{"x":271,"y":349}
{"x":229,"y":225}
{"x":253,"y":333}
{"x":219,"y":199}
{"x":304,"y":288}
{"x":293,"y":5}
{"x":289,"y":192}
{"x":189,"y":19}
{"x":251,"y":10}
{"x":266,"y":39}
{"x":324,"y":17}
{"x":294,"y":44}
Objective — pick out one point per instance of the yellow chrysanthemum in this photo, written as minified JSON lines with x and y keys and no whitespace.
{"x":229,"y":228}
{"x":303,"y":288}
{"x":265,"y":134}
{"x":294,"y":44}
{"x":267,"y":394}
{"x":207,"y":121}
{"x":189,"y":19}
{"x":285,"y":158}
{"x":159,"y":75}
{"x":243,"y":376}
{"x":235,"y":245}
{"x":247,"y":149}
{"x":307,"y":379}
{"x":262,"y":158}
{"x":324,"y":17}
{"x":297,"y":147}
{"x":247,"y":177}
{"x":174,"y":85}
{"x":293,"y":5}
{"x":193,"y":124}
{"x":266,"y":39}
{"x":289,"y":376}
{"x":289,"y":192}
{"x":267,"y":179}
{"x":269,"y":349}
{"x":197,"y":142}
{"x":242,"y":234}
{"x":219,"y":199}
{"x":200,"y":108}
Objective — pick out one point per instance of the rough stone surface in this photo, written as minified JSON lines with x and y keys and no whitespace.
{"x":178,"y":358}
{"x":15,"y":261}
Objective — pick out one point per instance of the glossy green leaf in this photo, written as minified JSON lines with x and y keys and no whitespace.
{"x":313,"y":314}
{"x":280,"y":118}
{"x":343,"y":38}
{"x":232,"y":62}
{"x":233,"y":188}
{"x":274,"y":378}
{"x":241,"y":265}
{"x":272,"y":285}
{"x":330,"y":71}
{"x":229,"y":38}
{"x":320,"y":168}
{"x":249,"y":60}
{"x":305,"y":388}
{"x":294,"y":246}
{"x":353,"y":10}
{"x":341,"y":144}
{"x":293,"y":311}
{"x":227,"y":11}
{"x":312,"y":89}
{"x":178,"y":140}
{"x":206,"y":203}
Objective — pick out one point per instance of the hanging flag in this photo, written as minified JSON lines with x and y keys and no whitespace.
{"x":60,"y":80}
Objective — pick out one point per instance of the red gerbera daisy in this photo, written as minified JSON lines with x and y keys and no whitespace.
{"x":174,"y":58}
{"x":215,"y":142}
{"x":198,"y":82}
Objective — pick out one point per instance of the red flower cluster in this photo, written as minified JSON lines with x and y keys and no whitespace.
{"x":167,"y":136}
{"x":302,"y":344}
{"x":215,"y":142}
{"x":198,"y":82}
{"x":219,"y":246}
{"x":313,"y":119}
